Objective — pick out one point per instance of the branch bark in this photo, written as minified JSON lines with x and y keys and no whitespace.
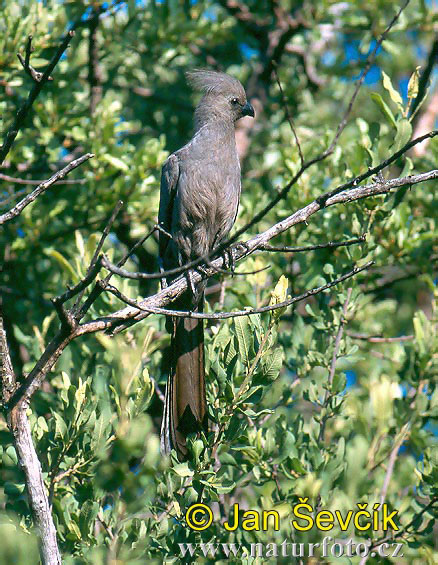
{"x":125,"y":317}
{"x":18,"y":424}
{"x":37,"y":87}
{"x":18,"y":208}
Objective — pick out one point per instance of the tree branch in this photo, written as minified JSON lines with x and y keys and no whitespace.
{"x":328,"y":393}
{"x":328,"y":245}
{"x":19,"y":427}
{"x":237,"y":313}
{"x":425,"y":76}
{"x":37,"y":87}
{"x":18,"y":208}
{"x":380,"y":339}
{"x":94,"y":70}
{"x":32,"y":181}
{"x":322,"y":156}
{"x":34,"y":74}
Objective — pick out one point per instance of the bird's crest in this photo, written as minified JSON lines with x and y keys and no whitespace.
{"x":213,"y":82}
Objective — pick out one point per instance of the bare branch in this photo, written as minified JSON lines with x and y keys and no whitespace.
{"x":391,"y":462}
{"x":19,"y":426}
{"x":288,"y":116}
{"x":237,"y":313}
{"x":7,"y":375}
{"x":380,"y":339}
{"x":37,"y":87}
{"x":36,"y":75}
{"x":338,"y":339}
{"x":121,"y":319}
{"x":96,"y":256}
{"x":373,"y":171}
{"x":241,"y":250}
{"x":32,"y":181}
{"x":18,"y":208}
{"x":322,"y":156}
{"x":328,"y":245}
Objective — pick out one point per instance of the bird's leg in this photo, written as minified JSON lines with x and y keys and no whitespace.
{"x":189,"y":276}
{"x":229,"y":261}
{"x":190,"y":283}
{"x":161,"y":269}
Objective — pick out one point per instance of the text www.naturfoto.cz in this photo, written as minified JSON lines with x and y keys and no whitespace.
{"x":327,"y":548}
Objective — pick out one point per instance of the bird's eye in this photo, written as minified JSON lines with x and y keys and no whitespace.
{"x":234,"y":101}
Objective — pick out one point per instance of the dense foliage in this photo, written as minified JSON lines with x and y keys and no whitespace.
{"x":280,"y":427}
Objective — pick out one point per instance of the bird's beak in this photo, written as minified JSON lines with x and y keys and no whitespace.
{"x":248,"y":110}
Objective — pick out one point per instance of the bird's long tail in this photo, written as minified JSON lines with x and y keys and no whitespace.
{"x":185,"y":409}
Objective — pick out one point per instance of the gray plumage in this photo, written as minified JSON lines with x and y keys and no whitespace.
{"x":199,"y":199}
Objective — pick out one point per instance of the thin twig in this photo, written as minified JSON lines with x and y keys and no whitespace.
{"x":288,"y":116}
{"x":380,"y":339}
{"x":425,"y":76}
{"x":158,"y":390}
{"x":328,"y":245}
{"x":117,"y":321}
{"x":375,"y":170}
{"x":18,"y":208}
{"x":391,"y":462}
{"x":338,"y":339}
{"x":37,"y":87}
{"x":33,"y":181}
{"x":36,"y":75}
{"x":362,"y":76}
{"x":96,"y":255}
{"x":322,"y":156}
{"x":237,"y":313}
{"x":89,"y":278}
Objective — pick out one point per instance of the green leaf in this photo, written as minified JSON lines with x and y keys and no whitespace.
{"x":11,"y":454}
{"x":413,"y":83}
{"x":13,"y":490}
{"x":384,"y":108}
{"x":339,"y":382}
{"x":60,"y":426}
{"x":272,"y":363}
{"x":403,"y":135}
{"x":244,"y":335}
{"x":87,"y":516}
{"x":63,"y":262}
{"x":393,"y":93}
{"x":297,"y":466}
{"x":116,"y":162}
{"x":183,"y":470}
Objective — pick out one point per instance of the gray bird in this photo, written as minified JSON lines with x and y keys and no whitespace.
{"x":199,"y":198}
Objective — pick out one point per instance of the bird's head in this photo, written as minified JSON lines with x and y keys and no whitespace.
{"x":224,"y":97}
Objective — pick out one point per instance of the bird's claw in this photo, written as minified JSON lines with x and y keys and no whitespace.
{"x":229,"y":261}
{"x":190,"y":283}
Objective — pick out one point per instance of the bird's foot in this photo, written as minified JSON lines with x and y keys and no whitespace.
{"x":229,"y":262}
{"x":163,"y":280}
{"x":190,"y":283}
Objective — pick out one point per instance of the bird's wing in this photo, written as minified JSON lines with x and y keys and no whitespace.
{"x":169,"y":183}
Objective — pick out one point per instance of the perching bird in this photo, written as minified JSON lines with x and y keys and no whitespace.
{"x":199,"y":198}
